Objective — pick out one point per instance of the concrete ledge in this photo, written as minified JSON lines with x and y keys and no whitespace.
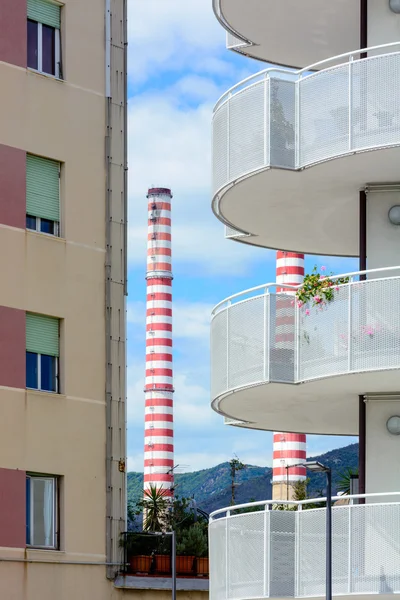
{"x":161,"y":583}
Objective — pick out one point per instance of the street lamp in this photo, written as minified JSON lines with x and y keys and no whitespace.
{"x":318,"y":467}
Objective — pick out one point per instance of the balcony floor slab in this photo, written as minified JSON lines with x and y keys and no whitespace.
{"x":315,"y":210}
{"x":326,"y":406}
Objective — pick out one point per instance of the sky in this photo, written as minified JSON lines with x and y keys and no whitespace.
{"x":178,"y":67}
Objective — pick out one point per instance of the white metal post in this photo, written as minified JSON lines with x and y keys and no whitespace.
{"x":228,"y":514}
{"x":266,"y":335}
{"x":297,"y":341}
{"x":228,"y":117}
{"x":350,"y":100}
{"x":297,"y":123}
{"x":266,"y":553}
{"x":349,"y":324}
{"x":227,"y":345}
{"x":266,"y":107}
{"x":349,"y":568}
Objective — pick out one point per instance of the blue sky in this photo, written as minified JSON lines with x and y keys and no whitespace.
{"x":178,"y":67}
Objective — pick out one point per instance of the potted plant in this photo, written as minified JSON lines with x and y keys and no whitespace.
{"x":192,"y":544}
{"x":138,"y":552}
{"x":162,"y":556}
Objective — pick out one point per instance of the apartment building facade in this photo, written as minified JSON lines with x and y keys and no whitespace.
{"x":62,"y":297}
{"x":305,"y":159}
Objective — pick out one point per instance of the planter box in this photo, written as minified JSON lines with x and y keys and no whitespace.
{"x":162,"y":563}
{"x":141,"y":564}
{"x":202,"y":568}
{"x":184,"y":565}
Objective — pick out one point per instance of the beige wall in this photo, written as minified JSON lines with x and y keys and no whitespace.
{"x":62,"y":434}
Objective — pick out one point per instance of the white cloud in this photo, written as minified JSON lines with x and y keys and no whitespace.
{"x":170,"y":34}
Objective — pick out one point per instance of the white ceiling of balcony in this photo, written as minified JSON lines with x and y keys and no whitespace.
{"x":294,"y":32}
{"x":314,"y":211}
{"x":324,"y":406}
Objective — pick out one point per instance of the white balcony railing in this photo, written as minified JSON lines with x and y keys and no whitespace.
{"x":258,"y":552}
{"x":260,"y":336}
{"x":294,"y":119}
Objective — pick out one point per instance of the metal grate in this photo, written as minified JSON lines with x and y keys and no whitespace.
{"x":282,"y":123}
{"x":231,"y":233}
{"x":246,"y":130}
{"x":219,"y":353}
{"x":246,"y":349}
{"x":282,"y":340}
{"x":218,"y":559}
{"x":220,"y":147}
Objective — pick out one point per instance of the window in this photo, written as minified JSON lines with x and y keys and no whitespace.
{"x":42,"y":353}
{"x":43,"y":33}
{"x":42,"y":195}
{"x":41,"y":511}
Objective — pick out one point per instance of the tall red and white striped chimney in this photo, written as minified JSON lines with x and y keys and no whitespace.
{"x":289,"y":448}
{"x":159,"y":434}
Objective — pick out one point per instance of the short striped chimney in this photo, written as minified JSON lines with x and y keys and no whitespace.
{"x":289,"y":448}
{"x":159,"y":435}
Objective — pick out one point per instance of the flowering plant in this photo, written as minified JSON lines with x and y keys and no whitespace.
{"x":318,"y":289}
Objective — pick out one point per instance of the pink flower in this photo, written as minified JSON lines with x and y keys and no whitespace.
{"x":307,"y":311}
{"x":317,"y":299}
{"x":323,"y":268}
{"x":292,"y":303}
{"x":299,"y":303}
{"x":337,"y":288}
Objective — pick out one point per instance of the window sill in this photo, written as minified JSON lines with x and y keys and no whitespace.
{"x":48,"y":236}
{"x":32,"y":550}
{"x":47,"y":75}
{"x":43,"y":393}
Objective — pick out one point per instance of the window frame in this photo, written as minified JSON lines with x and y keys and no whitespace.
{"x":56,"y":507}
{"x":39,"y":374}
{"x":57,"y":52}
{"x":38,"y":225}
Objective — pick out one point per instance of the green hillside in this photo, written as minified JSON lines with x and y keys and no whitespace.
{"x":212,"y":487}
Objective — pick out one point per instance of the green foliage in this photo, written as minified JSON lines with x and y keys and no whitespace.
{"x":343,"y":484}
{"x":192,"y":542}
{"x":154,"y":505}
{"x":318,"y":289}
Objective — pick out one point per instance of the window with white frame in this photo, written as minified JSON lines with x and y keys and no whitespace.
{"x":42,"y":195}
{"x":42,"y":353}
{"x":43,"y":31}
{"x":41,"y":511}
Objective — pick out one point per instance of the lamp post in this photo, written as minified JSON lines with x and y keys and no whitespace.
{"x":318,"y":467}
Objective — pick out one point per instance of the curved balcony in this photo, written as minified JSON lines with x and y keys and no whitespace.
{"x":270,"y":360}
{"x":266,"y":553}
{"x":270,"y":129}
{"x":289,"y":32}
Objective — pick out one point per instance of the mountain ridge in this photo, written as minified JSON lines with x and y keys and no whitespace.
{"x":211,"y":487}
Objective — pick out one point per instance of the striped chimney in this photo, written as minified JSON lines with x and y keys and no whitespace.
{"x":289,"y":448}
{"x":159,"y":434}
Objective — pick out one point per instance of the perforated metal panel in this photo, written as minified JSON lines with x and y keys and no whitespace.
{"x":234,"y":43}
{"x":246,"y":349}
{"x":218,"y":559}
{"x":324,"y":115}
{"x":220,"y":147}
{"x":219,"y":353}
{"x":282,"y":554}
{"x":246,"y":130}
{"x":323,"y":338}
{"x":282,"y":123}
{"x":282,"y":342}
{"x":231,"y":233}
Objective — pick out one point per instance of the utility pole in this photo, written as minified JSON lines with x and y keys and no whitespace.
{"x":235,"y":466}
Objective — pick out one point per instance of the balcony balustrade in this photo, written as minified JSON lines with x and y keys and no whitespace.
{"x":260,"y":336}
{"x":259,"y":552}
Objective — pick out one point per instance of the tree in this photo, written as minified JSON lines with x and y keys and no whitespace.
{"x":154,"y":506}
{"x":344,"y":483}
{"x":235,"y":466}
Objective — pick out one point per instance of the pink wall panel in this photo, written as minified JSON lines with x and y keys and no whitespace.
{"x":12,"y":185}
{"x":12,"y":508}
{"x":12,"y":348}
{"x":13,"y":32}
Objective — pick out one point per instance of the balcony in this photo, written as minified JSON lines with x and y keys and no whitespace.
{"x":288,"y":32}
{"x":270,"y":361}
{"x":266,"y":553}
{"x":270,"y":129}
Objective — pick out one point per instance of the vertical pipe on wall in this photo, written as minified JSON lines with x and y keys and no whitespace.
{"x":361,"y":403}
{"x":363,"y":25}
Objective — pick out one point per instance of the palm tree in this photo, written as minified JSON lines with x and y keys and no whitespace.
{"x":343,"y":485}
{"x":154,"y":506}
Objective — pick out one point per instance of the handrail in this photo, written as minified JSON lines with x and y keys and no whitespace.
{"x":267,"y":286}
{"x":298,"y":73}
{"x":266,"y":503}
